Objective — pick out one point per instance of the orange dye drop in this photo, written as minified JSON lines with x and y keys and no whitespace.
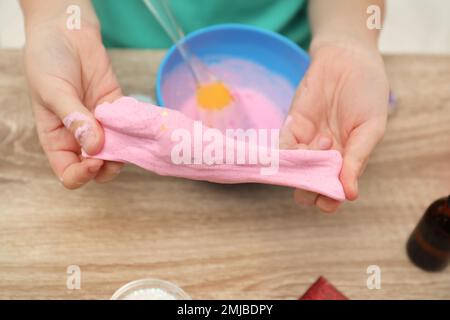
{"x":213,"y":96}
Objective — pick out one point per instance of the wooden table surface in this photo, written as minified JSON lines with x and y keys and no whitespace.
{"x":216,"y":241}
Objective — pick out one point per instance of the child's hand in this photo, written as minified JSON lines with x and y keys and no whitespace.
{"x":69,"y":72}
{"x":341,"y":104}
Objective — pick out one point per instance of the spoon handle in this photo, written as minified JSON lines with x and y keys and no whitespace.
{"x":162,"y":12}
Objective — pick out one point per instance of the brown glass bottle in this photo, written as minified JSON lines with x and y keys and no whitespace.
{"x":428,"y":246}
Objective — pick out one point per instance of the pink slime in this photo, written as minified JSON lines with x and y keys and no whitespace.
{"x":141,"y":134}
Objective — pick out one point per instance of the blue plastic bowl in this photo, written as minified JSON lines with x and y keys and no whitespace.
{"x":269,"y":49}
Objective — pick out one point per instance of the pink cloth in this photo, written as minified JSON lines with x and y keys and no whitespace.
{"x":142,"y":134}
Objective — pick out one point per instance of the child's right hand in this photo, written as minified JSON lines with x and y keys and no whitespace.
{"x":69,"y":72}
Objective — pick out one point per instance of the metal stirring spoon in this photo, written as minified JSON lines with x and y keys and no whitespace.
{"x":163,"y":14}
{"x":216,"y":113}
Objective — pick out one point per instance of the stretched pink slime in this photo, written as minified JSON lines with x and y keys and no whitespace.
{"x":141,"y":134}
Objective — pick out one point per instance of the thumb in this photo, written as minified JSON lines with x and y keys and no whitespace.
{"x":359,"y":146}
{"x":79,"y":121}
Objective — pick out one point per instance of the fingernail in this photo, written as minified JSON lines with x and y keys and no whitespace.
{"x":324,"y":143}
{"x":94,"y":168}
{"x":85,"y":136}
{"x":82,"y":125}
{"x":287,"y":121}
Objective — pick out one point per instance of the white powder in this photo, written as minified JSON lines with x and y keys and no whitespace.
{"x":149,"y":294}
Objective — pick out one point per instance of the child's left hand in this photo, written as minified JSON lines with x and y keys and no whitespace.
{"x":341,"y":104}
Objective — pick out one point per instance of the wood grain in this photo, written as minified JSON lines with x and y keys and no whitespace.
{"x":243,"y":241}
